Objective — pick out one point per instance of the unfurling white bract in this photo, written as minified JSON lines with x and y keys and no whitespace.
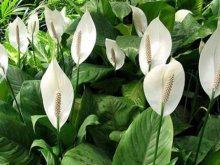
{"x":84,"y":39}
{"x":180,"y":15}
{"x":209,"y":65}
{"x":33,"y":24}
{"x":66,"y":19}
{"x":155,"y":46}
{"x":57,"y":93}
{"x":18,"y":35}
{"x":164,"y":85}
{"x":139,"y":19}
{"x":114,"y":54}
{"x":3,"y":61}
{"x":55,"y":23}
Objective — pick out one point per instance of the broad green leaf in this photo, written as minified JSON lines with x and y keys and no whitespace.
{"x":15,"y":138}
{"x":190,"y":143}
{"x":85,"y":154}
{"x":105,"y":8}
{"x":212,"y":158}
{"x":195,"y":6}
{"x":179,"y":125}
{"x":134,"y":92}
{"x":90,"y":73}
{"x":130,"y":45}
{"x":153,"y":9}
{"x":5,"y":92}
{"x":90,"y":120}
{"x":16,"y":77}
{"x":121,"y":9}
{"x":137,"y":145}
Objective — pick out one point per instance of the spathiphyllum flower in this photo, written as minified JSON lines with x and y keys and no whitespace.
{"x":155,"y":46}
{"x":209,"y":66}
{"x":55,"y":23}
{"x":18,"y":35}
{"x":180,"y":15}
{"x":57,"y":94}
{"x":66,"y":19}
{"x":114,"y":54}
{"x":84,"y":39}
{"x":3,"y":61}
{"x":139,"y":19}
{"x":164,"y":85}
{"x":33,"y":24}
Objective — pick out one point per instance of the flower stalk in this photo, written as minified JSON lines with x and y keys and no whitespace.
{"x":18,"y":42}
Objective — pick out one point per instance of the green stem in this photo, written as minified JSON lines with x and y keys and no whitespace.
{"x":32,"y":42}
{"x":158,"y":133}
{"x":13,"y":95}
{"x":62,"y":56}
{"x":211,"y":102}
{"x":58,"y":138}
{"x":19,"y":54}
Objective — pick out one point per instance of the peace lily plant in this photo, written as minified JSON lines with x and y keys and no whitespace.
{"x":18,"y":37}
{"x":163,"y":88}
{"x":155,"y":46}
{"x":209,"y":75}
{"x":33,"y":28}
{"x":57,"y":93}
{"x":114,"y":54}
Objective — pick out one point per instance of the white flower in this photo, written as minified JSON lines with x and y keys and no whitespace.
{"x":66,"y":19}
{"x":209,"y":65}
{"x":164,"y":85}
{"x":155,"y":46}
{"x":180,"y":15}
{"x":57,"y":94}
{"x":3,"y":61}
{"x":33,"y":24}
{"x":114,"y":54}
{"x":84,"y":39}
{"x":139,"y":19}
{"x":18,"y":35}
{"x":55,"y":23}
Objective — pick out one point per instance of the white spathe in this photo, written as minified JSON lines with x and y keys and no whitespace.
{"x":160,"y":45}
{"x":84,"y":39}
{"x":54,"y":80}
{"x":18,"y":29}
{"x":155,"y":83}
{"x":139,"y":19}
{"x":209,"y":65}
{"x":3,"y":61}
{"x":119,"y":59}
{"x":33,"y":24}
{"x":180,"y":15}
{"x":66,"y":19}
{"x":55,"y":23}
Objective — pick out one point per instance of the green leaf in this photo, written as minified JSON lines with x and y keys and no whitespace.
{"x":4,"y":90}
{"x":130,"y":45}
{"x":14,"y":145}
{"x":153,"y":9}
{"x":89,"y":73}
{"x":16,"y":77}
{"x":134,"y":92}
{"x":85,"y":154}
{"x":195,"y":6}
{"x":90,"y":120}
{"x":103,"y":29}
{"x":212,"y":158}
{"x":137,"y":145}
{"x":179,"y":125}
{"x":121,"y":9}
{"x":190,"y":143}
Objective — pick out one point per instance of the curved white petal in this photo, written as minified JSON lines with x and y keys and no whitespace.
{"x":139,"y":19}
{"x":54,"y":80}
{"x":82,"y":46}
{"x":209,"y":64}
{"x":3,"y":61}
{"x":55,"y":23}
{"x":160,"y":45}
{"x":33,"y":24}
{"x":23,"y":35}
{"x":180,"y":15}
{"x":119,"y":57}
{"x":155,"y":83}
{"x":66,"y":19}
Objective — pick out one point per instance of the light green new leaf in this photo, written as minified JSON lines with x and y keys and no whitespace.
{"x":137,"y":146}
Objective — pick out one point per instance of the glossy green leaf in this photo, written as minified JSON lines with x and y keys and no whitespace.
{"x":137,"y":145}
{"x":121,"y":9}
